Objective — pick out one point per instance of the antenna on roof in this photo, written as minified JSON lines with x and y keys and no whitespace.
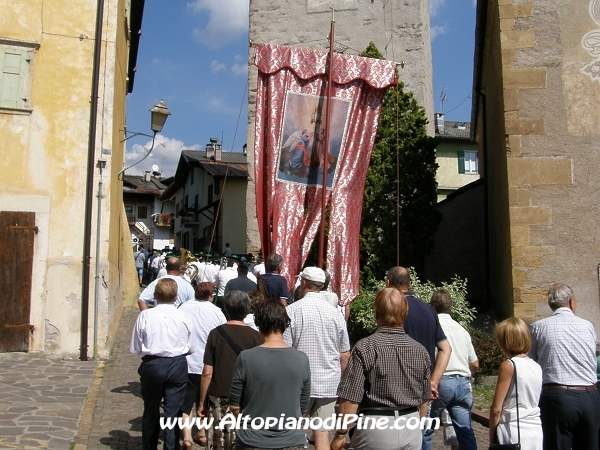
{"x":443,"y":97}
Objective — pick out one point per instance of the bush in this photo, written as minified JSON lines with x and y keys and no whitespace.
{"x":488,"y":351}
{"x":462,"y":312}
{"x":362,"y":317}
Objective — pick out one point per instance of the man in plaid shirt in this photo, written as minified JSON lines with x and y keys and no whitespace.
{"x":565,"y":346}
{"x":319,"y":330}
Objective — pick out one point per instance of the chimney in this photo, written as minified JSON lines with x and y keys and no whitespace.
{"x":210,"y":151}
{"x":439,"y":123}
{"x":147,"y":176}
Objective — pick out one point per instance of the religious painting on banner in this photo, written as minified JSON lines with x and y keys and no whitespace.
{"x":302,"y":153}
{"x":289,"y":154}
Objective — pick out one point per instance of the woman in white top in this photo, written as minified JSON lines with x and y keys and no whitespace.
{"x":514,"y":339}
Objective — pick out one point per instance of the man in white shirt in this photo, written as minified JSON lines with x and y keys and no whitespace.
{"x":259,"y":267}
{"x":454,"y":389}
{"x":204,"y":316}
{"x":185,"y":291}
{"x":162,"y":336}
{"x":222,"y":278}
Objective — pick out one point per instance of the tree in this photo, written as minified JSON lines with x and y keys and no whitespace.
{"x":403,"y":161}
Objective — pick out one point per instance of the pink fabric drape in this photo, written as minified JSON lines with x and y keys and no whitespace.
{"x":289,"y":213}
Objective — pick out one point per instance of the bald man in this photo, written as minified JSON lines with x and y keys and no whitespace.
{"x":185,"y":291}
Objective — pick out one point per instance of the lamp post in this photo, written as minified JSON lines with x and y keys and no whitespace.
{"x":158,"y":117}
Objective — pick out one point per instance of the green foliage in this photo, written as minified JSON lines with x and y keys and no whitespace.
{"x":462,"y":312}
{"x":362,"y":318}
{"x":403,"y":160}
{"x":488,"y":351}
{"x":362,"y":315}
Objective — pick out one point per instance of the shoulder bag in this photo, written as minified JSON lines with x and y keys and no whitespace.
{"x":516,"y":446}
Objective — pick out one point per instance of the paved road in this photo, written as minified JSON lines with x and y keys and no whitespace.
{"x":55,"y":404}
{"x":41,"y":400}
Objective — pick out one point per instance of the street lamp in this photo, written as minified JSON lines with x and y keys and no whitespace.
{"x":158,"y":117}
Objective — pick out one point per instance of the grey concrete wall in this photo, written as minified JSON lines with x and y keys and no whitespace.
{"x":400,"y":30}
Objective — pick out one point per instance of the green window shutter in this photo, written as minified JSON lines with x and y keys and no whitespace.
{"x":461,"y":161}
{"x":13,"y":63}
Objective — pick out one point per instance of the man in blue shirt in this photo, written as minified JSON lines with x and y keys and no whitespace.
{"x":273,"y":284}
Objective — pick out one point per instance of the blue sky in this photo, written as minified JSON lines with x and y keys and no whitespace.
{"x":194,"y":56}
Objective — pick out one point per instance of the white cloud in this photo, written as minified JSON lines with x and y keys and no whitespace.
{"x":437,"y":30}
{"x":227,"y":20}
{"x":240,"y":69}
{"x":217,"y":66}
{"x":435,"y":6}
{"x":165,"y":155}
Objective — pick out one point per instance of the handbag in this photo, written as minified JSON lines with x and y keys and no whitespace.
{"x":516,"y":446}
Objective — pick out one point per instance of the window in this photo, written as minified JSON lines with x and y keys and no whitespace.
{"x":129,"y":210}
{"x":142,"y":212}
{"x":16,"y":60}
{"x":468,"y":162}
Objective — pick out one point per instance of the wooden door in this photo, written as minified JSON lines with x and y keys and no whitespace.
{"x":17,"y":232}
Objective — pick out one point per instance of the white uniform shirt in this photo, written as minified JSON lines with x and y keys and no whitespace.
{"x":204,"y":316}
{"x":162,"y":331}
{"x":223,"y":277}
{"x":185,"y":291}
{"x":259,"y":269}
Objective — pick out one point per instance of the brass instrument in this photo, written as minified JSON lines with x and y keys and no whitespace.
{"x":223,"y":263}
{"x":187,"y":258}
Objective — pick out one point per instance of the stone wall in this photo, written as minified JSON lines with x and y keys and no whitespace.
{"x":550,"y":81}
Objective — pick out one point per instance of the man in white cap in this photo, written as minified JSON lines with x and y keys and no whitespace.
{"x":319,"y":330}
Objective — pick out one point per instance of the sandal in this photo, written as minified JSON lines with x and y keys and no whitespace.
{"x":186,"y":444}
{"x":202,"y":441}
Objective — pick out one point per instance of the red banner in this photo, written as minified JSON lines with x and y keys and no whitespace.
{"x":289,"y":154}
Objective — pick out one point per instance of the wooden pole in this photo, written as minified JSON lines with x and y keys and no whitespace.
{"x":326,"y":149}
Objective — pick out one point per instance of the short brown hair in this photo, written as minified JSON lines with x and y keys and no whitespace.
{"x":513,"y":336}
{"x":166,"y":290}
{"x":391,"y":308}
{"x":256,"y":297}
{"x":441,"y":301}
{"x":204,"y":290}
{"x":271,"y":317}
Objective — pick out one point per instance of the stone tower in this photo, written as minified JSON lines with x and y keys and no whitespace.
{"x":400,"y":30}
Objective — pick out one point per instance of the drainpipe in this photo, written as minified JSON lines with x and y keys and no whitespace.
{"x":89,"y":187}
{"x":101,"y":164}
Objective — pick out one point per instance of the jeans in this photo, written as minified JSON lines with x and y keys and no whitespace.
{"x":457,"y":397}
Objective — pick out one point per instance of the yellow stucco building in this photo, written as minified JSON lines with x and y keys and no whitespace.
{"x":47,"y":54}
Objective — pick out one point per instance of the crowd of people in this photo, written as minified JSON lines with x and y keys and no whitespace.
{"x":236,"y":341}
